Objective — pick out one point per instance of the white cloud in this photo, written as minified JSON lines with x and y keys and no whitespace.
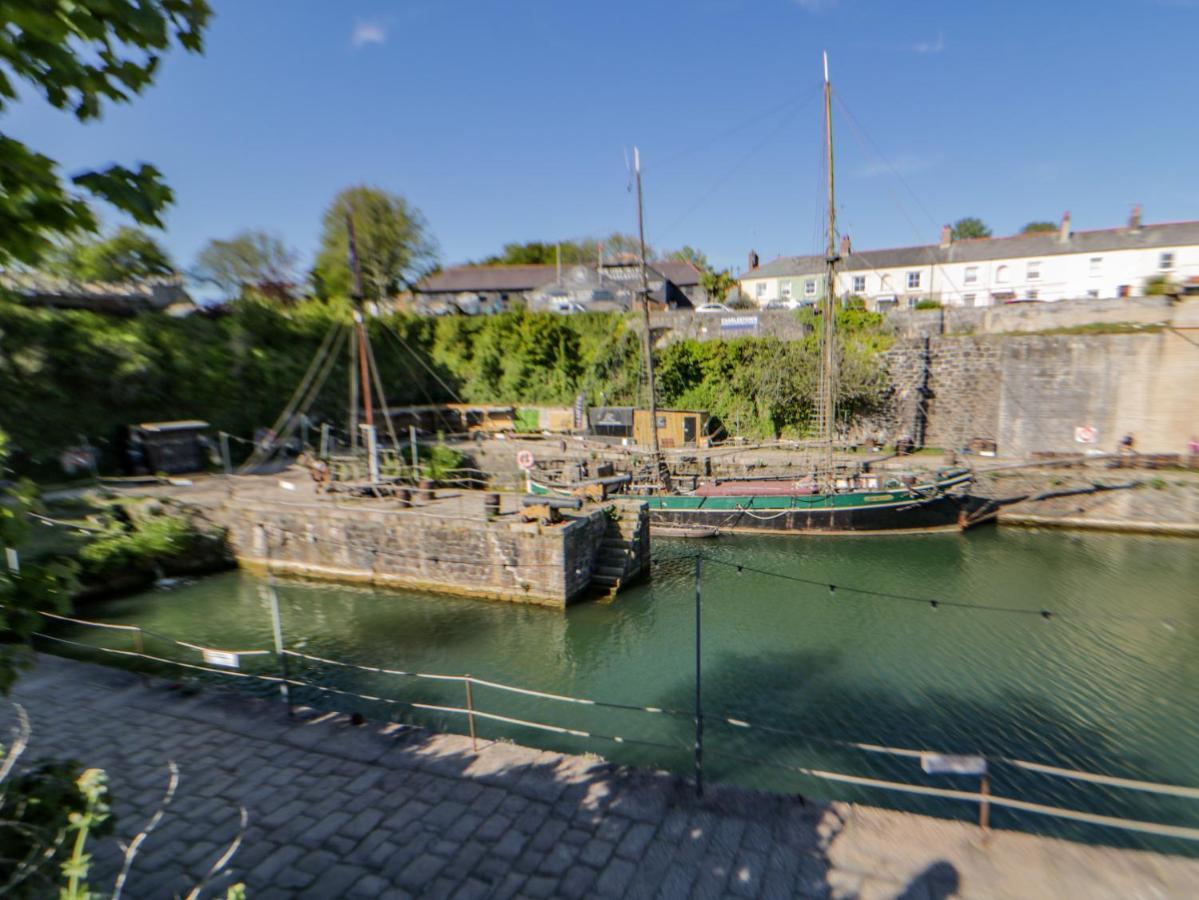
{"x":368,"y":32}
{"x":901,"y":165}
{"x":930,"y":46}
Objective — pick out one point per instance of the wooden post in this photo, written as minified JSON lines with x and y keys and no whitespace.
{"x":470,"y":716}
{"x":139,"y":645}
{"x":225,"y":458}
{"x":415,"y":451}
{"x":984,"y":807}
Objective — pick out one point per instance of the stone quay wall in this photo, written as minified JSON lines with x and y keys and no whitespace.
{"x":504,"y":559}
{"x":1029,"y":393}
{"x":1007,"y":318}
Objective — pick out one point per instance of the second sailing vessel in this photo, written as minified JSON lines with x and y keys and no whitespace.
{"x":830,"y":500}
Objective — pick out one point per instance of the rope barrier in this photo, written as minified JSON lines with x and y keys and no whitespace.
{"x":1039,"y":768}
{"x":1154,"y":828}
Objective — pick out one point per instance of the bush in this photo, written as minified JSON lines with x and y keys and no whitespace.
{"x":928,"y":304}
{"x":155,"y":542}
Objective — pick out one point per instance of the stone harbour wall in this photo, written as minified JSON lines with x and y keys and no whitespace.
{"x":503,"y":559}
{"x":1030,"y":392}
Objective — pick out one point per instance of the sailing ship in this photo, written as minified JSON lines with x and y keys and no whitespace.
{"x":831,"y":500}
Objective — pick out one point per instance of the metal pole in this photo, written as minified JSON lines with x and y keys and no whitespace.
{"x":699,"y":708}
{"x":324,"y":440}
{"x":647,"y":347}
{"x":139,"y":645}
{"x":372,"y":452}
{"x":415,"y":451}
{"x":470,"y":716}
{"x":984,"y":807}
{"x":225,"y":453}
{"x":277,"y":627}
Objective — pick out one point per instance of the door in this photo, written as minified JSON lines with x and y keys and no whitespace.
{"x":689,"y":426}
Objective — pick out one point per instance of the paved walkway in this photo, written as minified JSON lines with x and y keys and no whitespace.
{"x":342,"y":811}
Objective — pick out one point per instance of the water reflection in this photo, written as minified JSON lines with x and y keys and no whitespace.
{"x":1102,"y":685}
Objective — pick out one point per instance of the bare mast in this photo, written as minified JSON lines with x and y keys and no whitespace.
{"x":362,"y":355}
{"x":646,"y":340}
{"x":827,"y":409}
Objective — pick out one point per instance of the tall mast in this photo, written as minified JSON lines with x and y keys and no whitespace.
{"x":646,"y":342}
{"x":363,"y":356}
{"x":827,"y":411}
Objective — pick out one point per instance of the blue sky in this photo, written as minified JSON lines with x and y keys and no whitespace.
{"x":510,"y":120}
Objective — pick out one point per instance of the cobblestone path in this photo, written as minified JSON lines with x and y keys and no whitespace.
{"x":337,"y":810}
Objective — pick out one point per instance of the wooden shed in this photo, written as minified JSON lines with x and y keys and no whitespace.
{"x":171,"y":447}
{"x":676,"y":428}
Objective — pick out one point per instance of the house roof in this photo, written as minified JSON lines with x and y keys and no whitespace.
{"x":465,"y":279}
{"x":1170,"y":234}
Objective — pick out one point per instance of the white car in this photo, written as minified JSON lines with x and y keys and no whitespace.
{"x":714,"y":308}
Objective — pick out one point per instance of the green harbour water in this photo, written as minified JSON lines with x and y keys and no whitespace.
{"x":1109,"y":682}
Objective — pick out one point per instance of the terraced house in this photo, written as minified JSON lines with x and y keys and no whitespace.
{"x":1054,"y":265}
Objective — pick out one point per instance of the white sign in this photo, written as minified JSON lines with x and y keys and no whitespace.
{"x":739,"y":322}
{"x":1086,"y":434}
{"x":12,"y":559}
{"x":222,"y":658}
{"x":524,"y":459}
{"x":948,"y":764}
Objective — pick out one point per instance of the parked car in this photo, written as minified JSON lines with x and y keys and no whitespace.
{"x":714,"y":308}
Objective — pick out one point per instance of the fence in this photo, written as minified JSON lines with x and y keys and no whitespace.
{"x":279,"y":665}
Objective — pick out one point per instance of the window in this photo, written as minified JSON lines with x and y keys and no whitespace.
{"x":1001,"y":275}
{"x":913,"y":280}
{"x":968,"y":299}
{"x":760,"y":289}
{"x":912,"y":301}
{"x":785,"y":290}
{"x":1032,"y":295}
{"x":1165,"y":262}
{"x":1034,"y":270}
{"x":809,"y":286}
{"x":1096,"y":265}
{"x":1093,"y":294}
{"x":859,"y":284}
{"x":971,"y":274}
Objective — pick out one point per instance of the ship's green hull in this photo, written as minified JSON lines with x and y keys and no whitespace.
{"x":926,"y":507}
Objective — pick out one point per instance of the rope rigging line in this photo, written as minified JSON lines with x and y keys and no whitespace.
{"x":424,"y":365}
{"x":932,"y":602}
{"x":287,"y":419}
{"x":301,"y":389}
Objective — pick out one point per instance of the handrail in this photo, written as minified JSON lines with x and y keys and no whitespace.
{"x":1159,"y":829}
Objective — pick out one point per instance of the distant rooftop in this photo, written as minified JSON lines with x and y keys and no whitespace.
{"x":1039,"y":244}
{"x":466,"y":279}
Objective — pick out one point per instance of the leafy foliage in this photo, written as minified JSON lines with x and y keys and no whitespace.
{"x":250,"y":260}
{"x":129,"y":254}
{"x":1038,"y":227}
{"x":236,"y":371}
{"x":969,"y":227}
{"x":155,"y":540}
{"x":30,"y":588}
{"x":394,"y":247}
{"x":689,"y":254}
{"x":718,"y":284}
{"x":80,"y":54}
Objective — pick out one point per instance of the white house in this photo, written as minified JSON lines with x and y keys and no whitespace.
{"x":1056,"y":265}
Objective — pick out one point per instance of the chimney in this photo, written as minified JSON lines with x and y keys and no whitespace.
{"x":1134,"y":220}
{"x":1064,"y":232}
{"x":845,"y":246}
{"x":946,"y":236}
{"x":753,"y":259}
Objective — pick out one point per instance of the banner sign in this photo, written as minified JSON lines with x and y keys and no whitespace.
{"x":739,"y":323}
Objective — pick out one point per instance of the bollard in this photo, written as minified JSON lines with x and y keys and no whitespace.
{"x":404,"y":497}
{"x":426,"y":490}
{"x":491,"y":505}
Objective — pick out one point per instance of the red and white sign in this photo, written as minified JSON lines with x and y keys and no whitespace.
{"x":1086,"y":434}
{"x":524,"y":459}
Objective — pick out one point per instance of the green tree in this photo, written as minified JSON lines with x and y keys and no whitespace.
{"x":969,"y":227}
{"x":577,"y":251}
{"x":129,"y":254}
{"x":717,"y":284}
{"x":250,"y":260}
{"x":1038,"y":227}
{"x":395,"y":249}
{"x":689,"y":254}
{"x":79,"y":55}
